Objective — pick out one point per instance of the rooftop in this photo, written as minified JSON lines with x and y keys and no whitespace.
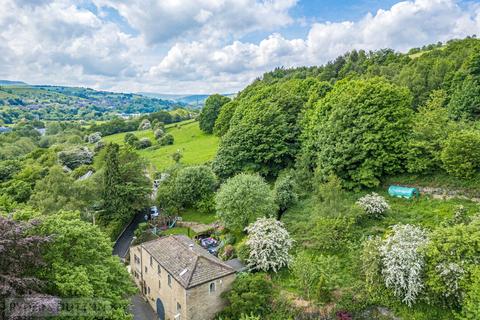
{"x":187,"y":262}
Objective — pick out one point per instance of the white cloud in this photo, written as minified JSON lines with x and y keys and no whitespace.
{"x":163,"y":20}
{"x":196,"y":45}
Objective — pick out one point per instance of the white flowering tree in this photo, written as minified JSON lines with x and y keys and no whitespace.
{"x":94,"y":137}
{"x":403,"y":261}
{"x":269,"y":244}
{"x":373,"y":204}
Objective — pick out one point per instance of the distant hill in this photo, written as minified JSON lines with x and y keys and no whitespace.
{"x":73,"y":103}
{"x":12,"y":83}
{"x":193,"y":100}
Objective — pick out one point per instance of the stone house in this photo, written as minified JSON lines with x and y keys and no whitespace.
{"x":180,"y":279}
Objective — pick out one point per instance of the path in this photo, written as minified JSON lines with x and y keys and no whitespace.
{"x":141,"y":310}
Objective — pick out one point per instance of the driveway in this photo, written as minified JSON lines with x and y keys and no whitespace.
{"x":141,"y":310}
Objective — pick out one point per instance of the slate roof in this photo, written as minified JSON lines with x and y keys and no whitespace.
{"x":187,"y":262}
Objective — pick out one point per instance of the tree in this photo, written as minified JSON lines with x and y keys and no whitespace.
{"x":403,"y":261}
{"x":242,"y":199}
{"x":166,"y":140}
{"x":461,"y":153}
{"x":145,"y":125}
{"x":159,"y":133}
{"x":143,"y":143}
{"x":55,"y":192}
{"x":264,"y":130}
{"x":222,"y":123}
{"x":358,"y":131}
{"x":250,"y":293}
{"x":177,"y":156}
{"x":79,"y":263}
{"x":284,"y":193}
{"x":125,"y":189}
{"x":210,"y":112}
{"x":21,"y":259}
{"x":430,"y":128}
{"x":269,"y":244}
{"x":130,"y":139}
{"x":75,"y":157}
{"x":94,"y":137}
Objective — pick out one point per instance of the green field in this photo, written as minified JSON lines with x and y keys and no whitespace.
{"x":196,"y":146}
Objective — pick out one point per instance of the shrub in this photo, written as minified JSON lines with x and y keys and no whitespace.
{"x":373,"y":204}
{"x":269,"y":244}
{"x":94,"y":137}
{"x":159,"y":133}
{"x":315,"y":275}
{"x":167,"y":139}
{"x":451,"y":253}
{"x":130,"y":139}
{"x":242,"y":199}
{"x":74,"y":158}
{"x":143,"y":143}
{"x":403,"y":261}
{"x":145,"y":125}
{"x":461,"y":153}
{"x":250,"y":294}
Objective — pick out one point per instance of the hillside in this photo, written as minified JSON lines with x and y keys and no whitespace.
{"x":196,"y":146}
{"x":71,"y":103}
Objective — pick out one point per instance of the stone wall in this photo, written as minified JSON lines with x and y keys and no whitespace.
{"x":203,"y":304}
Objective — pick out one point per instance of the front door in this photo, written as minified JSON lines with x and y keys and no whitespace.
{"x":160,"y":310}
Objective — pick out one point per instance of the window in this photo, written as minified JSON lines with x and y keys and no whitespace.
{"x":146,"y":270}
{"x":169,"y":281}
{"x":159,"y":269}
{"x":148,"y":290}
{"x":159,"y":284}
{"x":151,"y":261}
{"x":136,"y":259}
{"x":136,"y":274}
{"x":212,"y":287}
{"x":179,"y":307}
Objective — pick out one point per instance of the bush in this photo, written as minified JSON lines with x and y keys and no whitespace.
{"x":269,"y":244}
{"x":461,"y":153}
{"x":373,"y":204}
{"x":130,"y":139}
{"x":167,"y":139}
{"x":242,"y":199}
{"x":145,"y":125}
{"x":403,"y":261}
{"x":315,"y":275}
{"x":250,"y":294}
{"x":159,"y":133}
{"x":94,"y":137}
{"x":143,"y":143}
{"x":450,"y":255}
{"x":74,"y":158}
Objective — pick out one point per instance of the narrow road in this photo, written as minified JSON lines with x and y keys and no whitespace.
{"x":140,"y":309}
{"x":123,"y":242}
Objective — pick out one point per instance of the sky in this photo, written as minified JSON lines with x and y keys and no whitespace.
{"x":207,"y":46}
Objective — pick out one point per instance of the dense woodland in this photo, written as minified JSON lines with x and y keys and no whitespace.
{"x":298,"y":184}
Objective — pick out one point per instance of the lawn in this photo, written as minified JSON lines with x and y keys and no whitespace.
{"x":196,"y":146}
{"x":180,"y":230}
{"x":195,"y":216}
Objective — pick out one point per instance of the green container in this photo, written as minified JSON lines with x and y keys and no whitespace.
{"x":403,"y":192}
